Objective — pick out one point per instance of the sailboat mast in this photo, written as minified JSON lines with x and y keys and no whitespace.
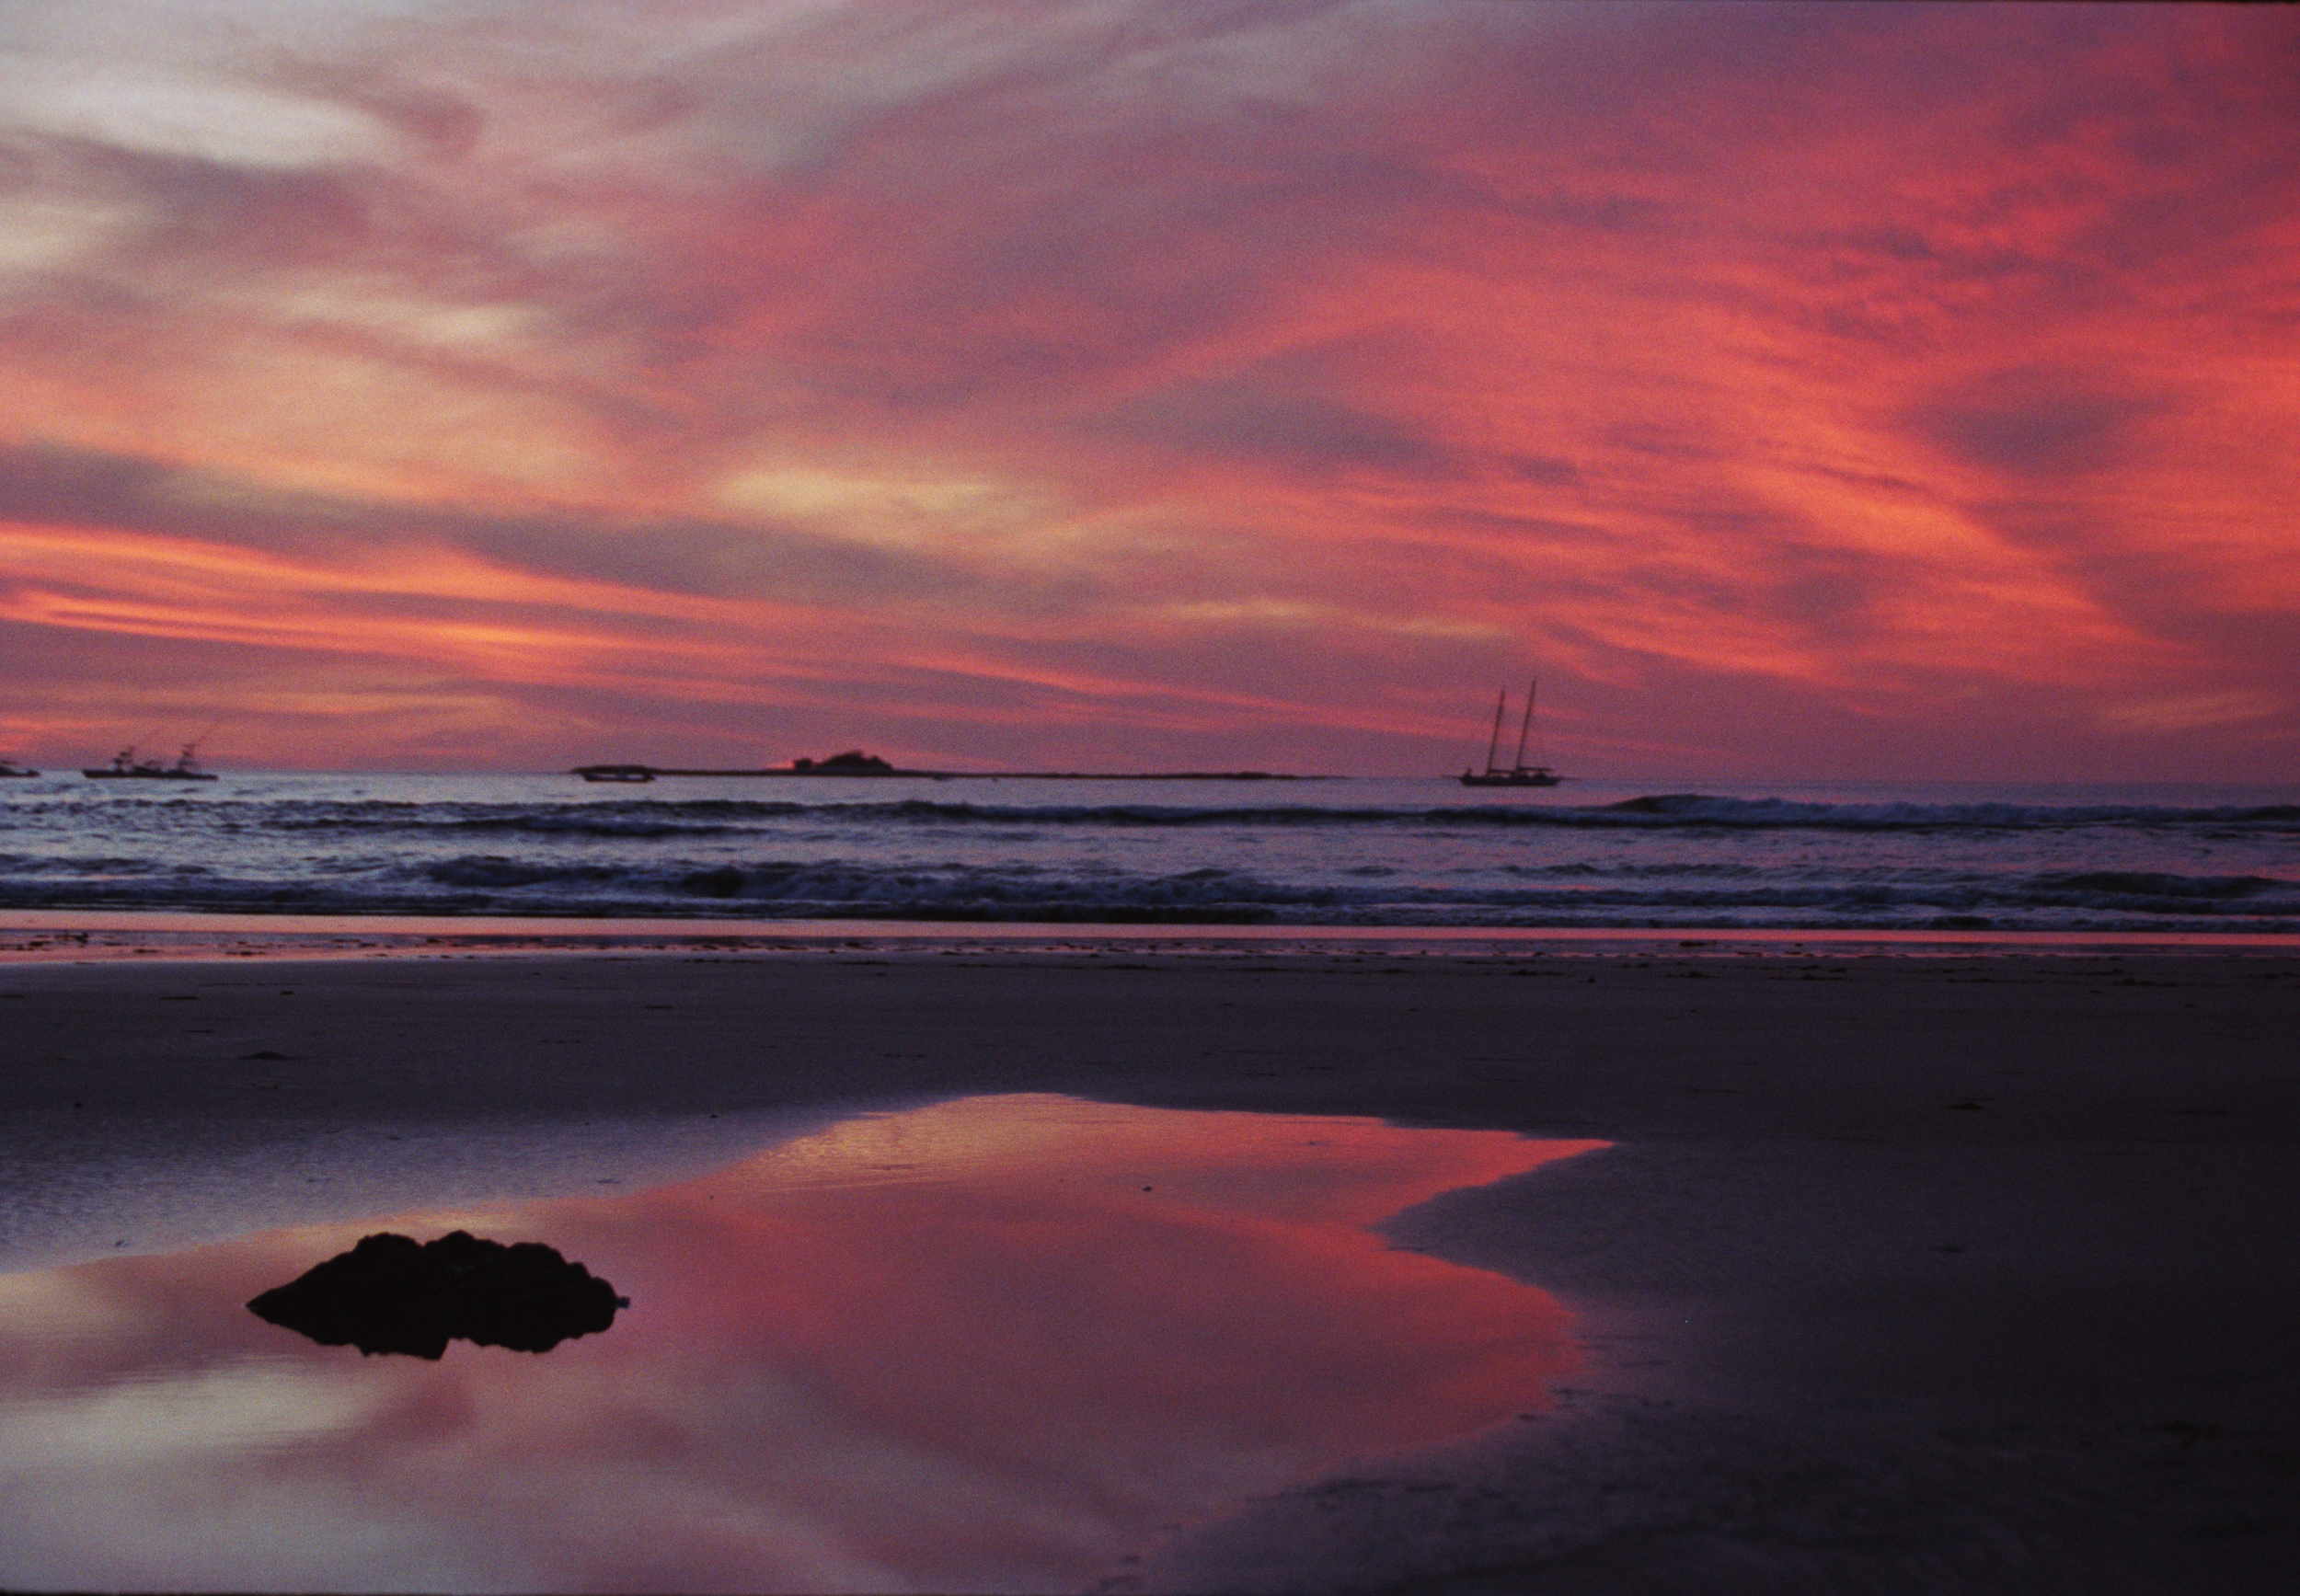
{"x":1524,"y":726}
{"x":1493,"y":746}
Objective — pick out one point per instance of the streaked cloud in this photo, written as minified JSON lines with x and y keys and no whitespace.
{"x":1799,"y":387}
{"x":2192,"y":713}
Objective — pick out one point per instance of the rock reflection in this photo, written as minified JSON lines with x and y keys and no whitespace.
{"x":394,"y":1295}
{"x":989,"y":1345}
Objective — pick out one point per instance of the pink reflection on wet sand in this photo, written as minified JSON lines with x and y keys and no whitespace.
{"x":994,"y":1344}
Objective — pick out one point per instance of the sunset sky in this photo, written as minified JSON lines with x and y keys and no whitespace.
{"x":1869,"y":390}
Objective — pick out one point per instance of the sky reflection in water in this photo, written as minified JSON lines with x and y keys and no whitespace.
{"x":958,"y":1347}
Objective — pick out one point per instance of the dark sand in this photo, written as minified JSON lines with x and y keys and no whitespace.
{"x":1844,"y":1334}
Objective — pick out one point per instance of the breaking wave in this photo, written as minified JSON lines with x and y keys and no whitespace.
{"x":646,"y":819}
{"x":1566,"y":895}
{"x":1340,"y":853}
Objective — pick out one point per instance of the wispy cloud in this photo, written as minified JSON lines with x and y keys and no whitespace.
{"x":1199,"y":381}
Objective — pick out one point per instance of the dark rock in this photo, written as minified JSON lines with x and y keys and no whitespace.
{"x":392,"y":1294}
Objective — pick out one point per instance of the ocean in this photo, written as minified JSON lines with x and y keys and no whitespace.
{"x":1406,"y":853}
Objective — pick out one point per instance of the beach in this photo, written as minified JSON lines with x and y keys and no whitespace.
{"x":1952,"y":1270}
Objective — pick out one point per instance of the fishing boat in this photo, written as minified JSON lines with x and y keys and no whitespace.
{"x":9,"y":767}
{"x":1519,"y":773}
{"x":126,"y":766}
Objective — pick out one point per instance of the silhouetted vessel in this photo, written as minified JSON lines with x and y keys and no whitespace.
{"x":125,"y":766}
{"x":1519,"y":773}
{"x":9,"y":767}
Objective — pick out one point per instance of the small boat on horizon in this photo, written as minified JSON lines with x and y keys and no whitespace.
{"x":1519,"y":773}
{"x":9,"y":767}
{"x":125,"y":766}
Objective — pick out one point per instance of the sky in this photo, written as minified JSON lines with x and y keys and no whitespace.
{"x":1881,"y":391}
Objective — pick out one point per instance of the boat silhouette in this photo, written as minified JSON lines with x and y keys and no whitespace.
{"x":125,"y":766}
{"x":1519,"y":773}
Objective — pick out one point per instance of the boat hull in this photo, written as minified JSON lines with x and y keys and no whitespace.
{"x":1511,"y":778}
{"x":148,"y":775}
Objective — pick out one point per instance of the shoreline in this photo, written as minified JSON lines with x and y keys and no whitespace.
{"x":1968,"y":1271}
{"x":38,"y":933}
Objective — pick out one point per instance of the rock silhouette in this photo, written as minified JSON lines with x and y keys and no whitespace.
{"x":392,"y":1294}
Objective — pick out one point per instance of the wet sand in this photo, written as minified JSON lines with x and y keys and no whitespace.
{"x":1967,"y":1272}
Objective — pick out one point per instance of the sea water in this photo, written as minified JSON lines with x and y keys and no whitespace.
{"x":1964,"y":857}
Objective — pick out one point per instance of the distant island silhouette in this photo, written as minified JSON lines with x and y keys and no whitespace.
{"x":855,"y":763}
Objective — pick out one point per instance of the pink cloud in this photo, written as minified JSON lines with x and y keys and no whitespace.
{"x":1251,"y":371}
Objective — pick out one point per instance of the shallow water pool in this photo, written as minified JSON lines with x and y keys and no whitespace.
{"x":994,"y":1344}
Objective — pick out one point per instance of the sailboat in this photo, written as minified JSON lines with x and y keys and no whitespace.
{"x":125,"y":765}
{"x":1519,"y":773}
